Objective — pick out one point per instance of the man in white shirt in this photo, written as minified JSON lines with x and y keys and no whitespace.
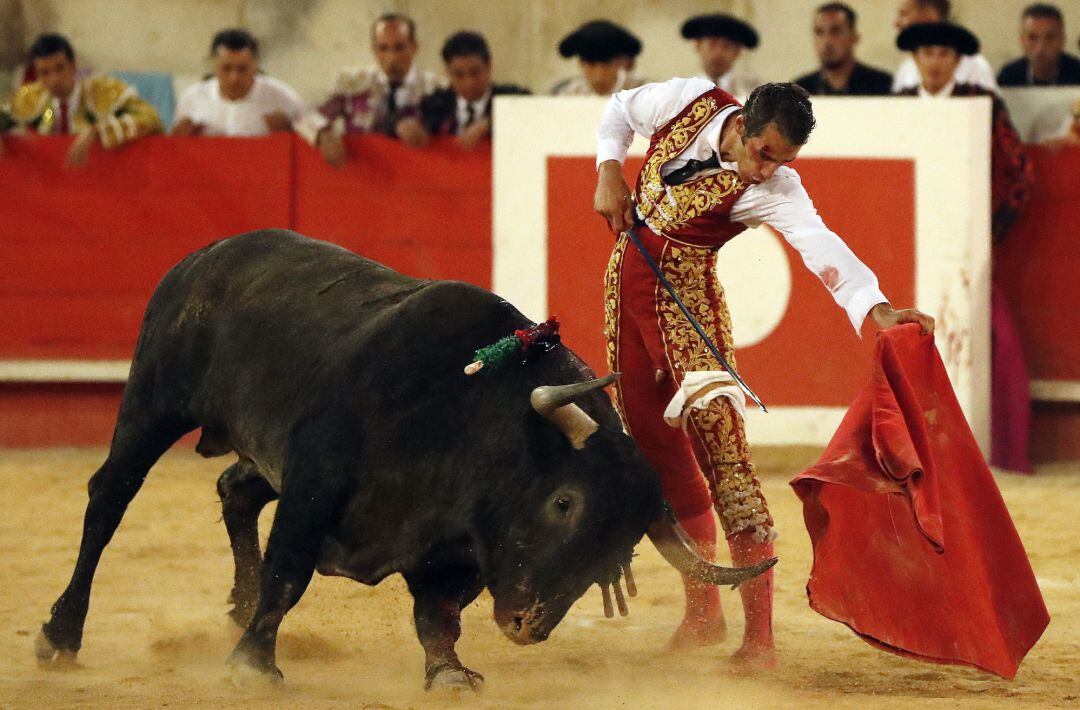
{"x":237,"y":100}
{"x":719,"y":41}
{"x":713,"y":168}
{"x":973,"y":69}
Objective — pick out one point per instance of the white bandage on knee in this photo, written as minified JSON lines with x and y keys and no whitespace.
{"x":700,"y":388}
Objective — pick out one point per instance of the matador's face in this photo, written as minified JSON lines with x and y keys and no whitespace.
{"x":762,"y":155}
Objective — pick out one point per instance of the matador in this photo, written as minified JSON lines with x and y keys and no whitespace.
{"x":713,"y":168}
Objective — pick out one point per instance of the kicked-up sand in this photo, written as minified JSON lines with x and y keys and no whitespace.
{"x":157,"y":634}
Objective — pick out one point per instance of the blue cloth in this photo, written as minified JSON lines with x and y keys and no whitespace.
{"x":157,"y":89}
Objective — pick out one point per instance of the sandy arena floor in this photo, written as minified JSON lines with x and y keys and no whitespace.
{"x":157,"y":634}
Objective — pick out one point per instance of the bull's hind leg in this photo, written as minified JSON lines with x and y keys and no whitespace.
{"x":137,"y":444}
{"x":438,"y":598}
{"x":312,"y":493}
{"x":244,"y":493}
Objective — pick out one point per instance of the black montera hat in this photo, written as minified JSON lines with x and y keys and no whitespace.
{"x":600,"y":41}
{"x":720,"y":25}
{"x":938,"y":34}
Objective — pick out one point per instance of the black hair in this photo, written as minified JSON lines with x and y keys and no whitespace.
{"x":1043,"y":11}
{"x":234,"y":40}
{"x":786,"y":105}
{"x":849,"y":14}
{"x":943,"y":7}
{"x":466,"y":44}
{"x":47,"y":45}
{"x":395,"y":17}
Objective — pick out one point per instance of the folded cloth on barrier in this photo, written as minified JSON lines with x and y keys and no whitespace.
{"x":914,"y":549}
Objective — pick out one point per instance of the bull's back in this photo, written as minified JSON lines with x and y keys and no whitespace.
{"x":237,"y":323}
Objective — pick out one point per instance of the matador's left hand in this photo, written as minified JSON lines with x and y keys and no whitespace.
{"x":886,"y":316}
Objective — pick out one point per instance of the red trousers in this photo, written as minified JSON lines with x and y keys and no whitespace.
{"x":651,"y":342}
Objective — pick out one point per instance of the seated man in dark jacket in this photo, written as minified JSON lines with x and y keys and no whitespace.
{"x":464,"y":110}
{"x":1045,"y":63}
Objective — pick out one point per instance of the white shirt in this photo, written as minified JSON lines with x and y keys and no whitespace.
{"x":479,"y":107}
{"x":781,"y":202}
{"x":972,"y":69}
{"x":202,"y":103}
{"x":943,"y":93}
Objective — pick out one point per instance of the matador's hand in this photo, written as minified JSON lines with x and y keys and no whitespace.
{"x":612,"y":201}
{"x":886,"y":316}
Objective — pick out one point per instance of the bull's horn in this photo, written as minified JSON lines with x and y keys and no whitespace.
{"x":556,"y":403}
{"x":672,"y":542}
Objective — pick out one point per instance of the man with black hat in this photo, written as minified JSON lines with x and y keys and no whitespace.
{"x":937,"y":48}
{"x":973,"y":69}
{"x":713,"y":168}
{"x":719,"y":41}
{"x":606,"y":54}
{"x":835,"y":37}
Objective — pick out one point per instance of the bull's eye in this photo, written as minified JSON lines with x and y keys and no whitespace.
{"x":563,"y":504}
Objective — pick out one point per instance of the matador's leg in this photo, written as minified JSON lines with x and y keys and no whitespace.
{"x":716,"y":430}
{"x":641,"y":397}
{"x":719,"y":443}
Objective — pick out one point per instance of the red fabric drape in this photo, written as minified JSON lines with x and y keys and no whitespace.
{"x":913,"y":546}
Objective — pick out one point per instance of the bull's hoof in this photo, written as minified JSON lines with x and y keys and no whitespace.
{"x":51,"y":657}
{"x":244,"y":671}
{"x":453,"y":678}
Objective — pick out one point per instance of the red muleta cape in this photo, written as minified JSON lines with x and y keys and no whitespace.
{"x":913,"y":546}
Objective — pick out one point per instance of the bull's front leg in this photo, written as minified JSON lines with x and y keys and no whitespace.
{"x":438,"y":598}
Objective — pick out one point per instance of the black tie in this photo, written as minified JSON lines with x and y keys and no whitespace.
{"x":391,"y":99}
{"x":470,"y":114}
{"x":692,"y":168}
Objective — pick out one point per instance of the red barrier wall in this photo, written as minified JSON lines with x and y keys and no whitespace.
{"x":426,"y":213}
{"x":80,"y":252}
{"x":1038,"y":266}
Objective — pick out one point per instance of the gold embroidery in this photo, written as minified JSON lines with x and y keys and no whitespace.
{"x":29,"y":102}
{"x":666,"y":208}
{"x":612,"y":281}
{"x":718,"y":433}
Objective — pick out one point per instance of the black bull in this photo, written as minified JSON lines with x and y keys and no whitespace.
{"x":339,"y":385}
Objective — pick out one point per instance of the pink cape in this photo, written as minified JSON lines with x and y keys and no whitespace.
{"x":913,"y":546}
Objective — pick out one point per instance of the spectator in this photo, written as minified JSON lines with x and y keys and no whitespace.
{"x":238,"y":100}
{"x":374,"y":99}
{"x":972,"y":69}
{"x":1045,"y":63}
{"x":719,"y":41}
{"x":835,"y":37}
{"x":937,"y":50}
{"x":606,"y":55}
{"x":98,"y":109}
{"x":464,"y":110}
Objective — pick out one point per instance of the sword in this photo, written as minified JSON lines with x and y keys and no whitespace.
{"x":636,"y":239}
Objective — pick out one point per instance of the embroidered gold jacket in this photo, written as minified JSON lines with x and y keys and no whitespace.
{"x":108,"y":105}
